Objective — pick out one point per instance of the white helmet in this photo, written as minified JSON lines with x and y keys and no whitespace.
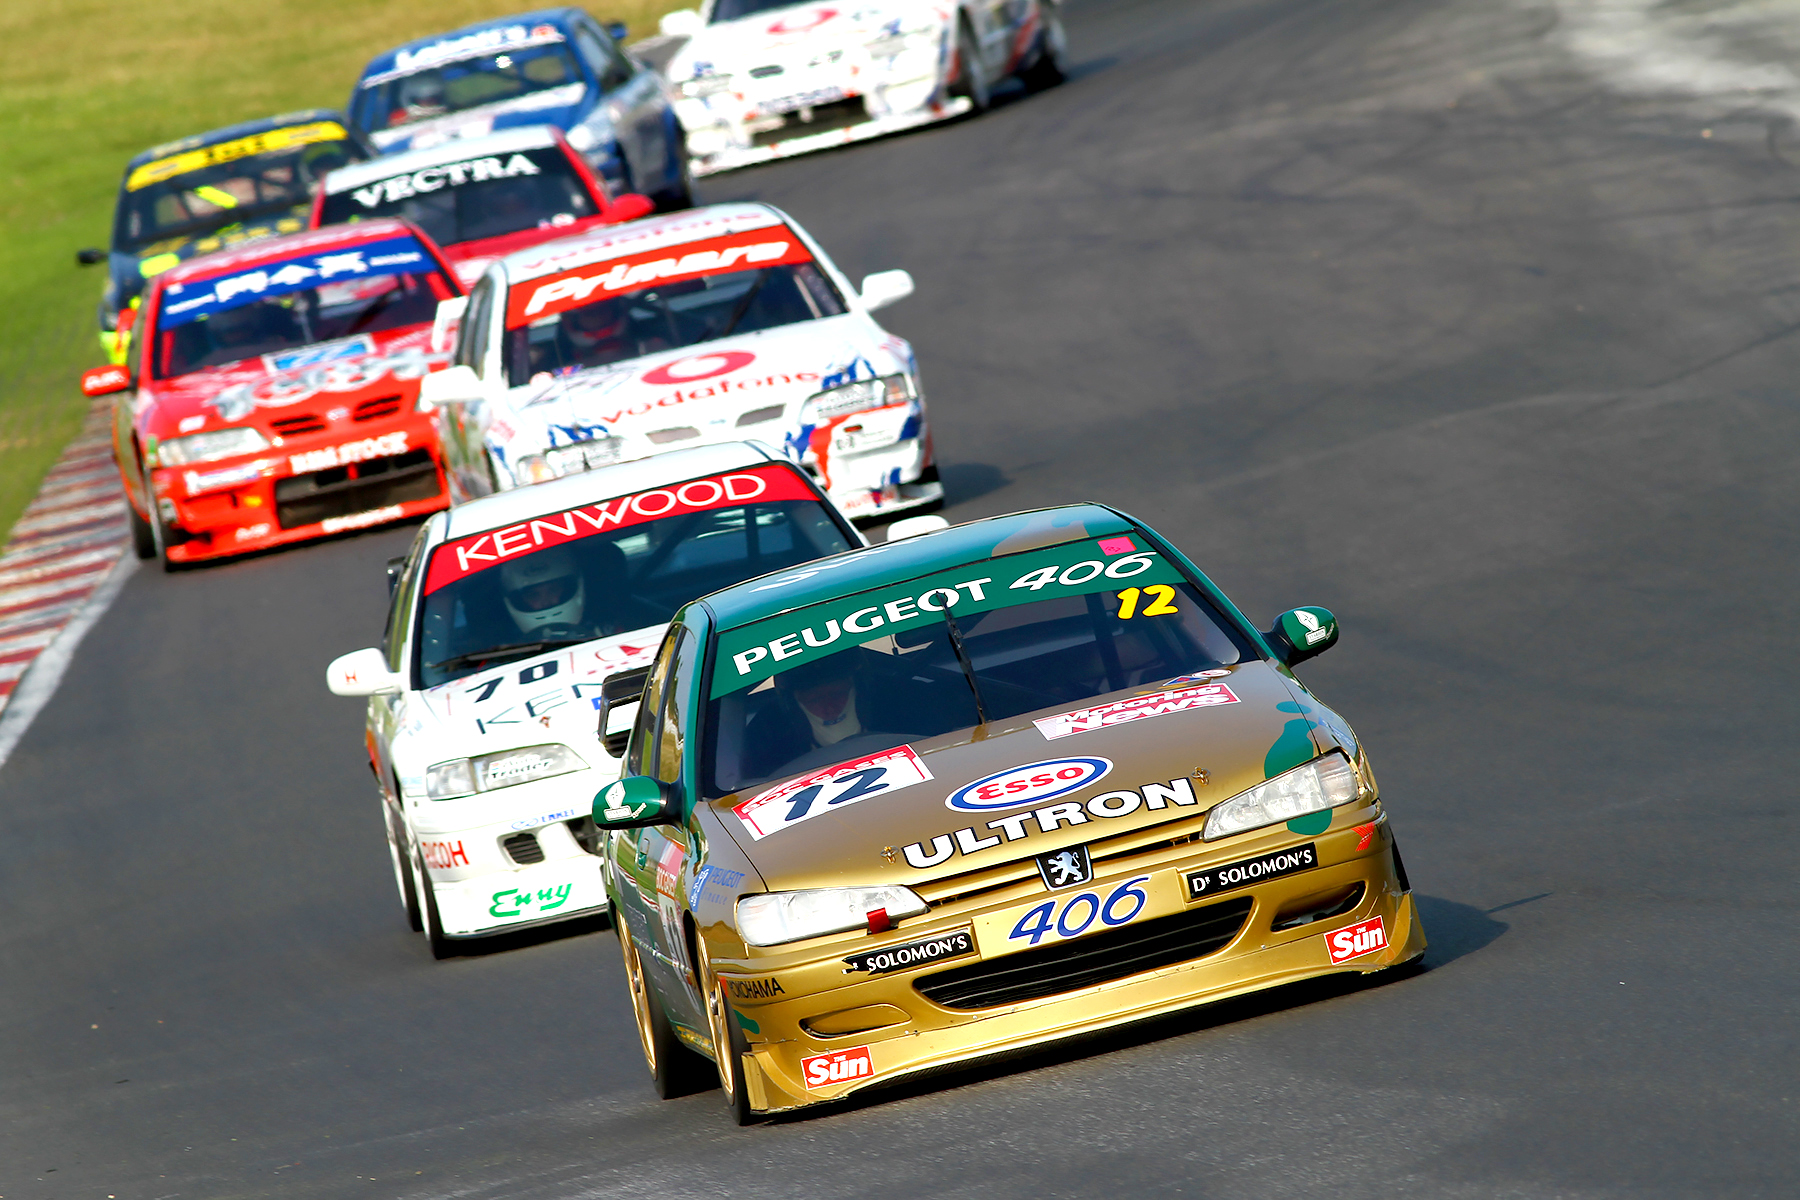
{"x":543,"y":589}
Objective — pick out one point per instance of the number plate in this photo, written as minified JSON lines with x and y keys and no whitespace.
{"x":1065,"y":915}
{"x":871,"y":430}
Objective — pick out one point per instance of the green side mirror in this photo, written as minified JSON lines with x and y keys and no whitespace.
{"x":1303,"y":633}
{"x":632,"y":803}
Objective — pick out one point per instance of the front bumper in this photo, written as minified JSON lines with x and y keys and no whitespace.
{"x":823,"y":1009}
{"x":499,"y":877}
{"x":716,"y":152}
{"x":327,"y":481}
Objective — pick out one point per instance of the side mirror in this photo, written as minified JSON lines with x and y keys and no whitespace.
{"x":362,"y":673}
{"x":910,"y":527}
{"x":884,"y":287}
{"x":683,"y":22}
{"x":104,"y":381}
{"x":616,"y":30}
{"x":629,"y":207}
{"x":1303,"y":633}
{"x":88,"y":258}
{"x":444,"y":325}
{"x":616,"y":691}
{"x":632,"y":803}
{"x":452,"y":385}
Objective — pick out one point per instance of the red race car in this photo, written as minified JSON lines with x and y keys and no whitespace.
{"x":270,"y":393}
{"x":480,"y":198}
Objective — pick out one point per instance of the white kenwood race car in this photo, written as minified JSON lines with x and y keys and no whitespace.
{"x":762,"y":79}
{"x":705,"y":326}
{"x":507,"y":615}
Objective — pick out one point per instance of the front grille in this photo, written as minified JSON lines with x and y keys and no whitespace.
{"x":1084,"y":962}
{"x":370,"y":410}
{"x":523,"y":848}
{"x":294,"y":426}
{"x":344,"y":491}
{"x":765,"y":72}
{"x":839,"y":114}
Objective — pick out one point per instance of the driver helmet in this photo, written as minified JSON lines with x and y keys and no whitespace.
{"x":423,"y":95}
{"x":543,"y":590}
{"x":597,"y":323}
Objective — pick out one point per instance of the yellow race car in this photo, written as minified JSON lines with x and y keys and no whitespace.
{"x":973,"y":791}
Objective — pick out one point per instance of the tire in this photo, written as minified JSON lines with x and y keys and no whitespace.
{"x":154,"y":539}
{"x":681,"y":195}
{"x":433,"y":928}
{"x":1050,"y":66}
{"x":674,"y":1069}
{"x":969,"y":79}
{"x":403,"y":879}
{"x":143,"y":538}
{"x":728,"y":1042}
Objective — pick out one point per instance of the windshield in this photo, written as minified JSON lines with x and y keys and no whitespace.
{"x":286,"y":304}
{"x":392,"y":100}
{"x":732,"y":10}
{"x":483,"y":608}
{"x":473,"y":198}
{"x":205,"y":190}
{"x":934,"y":656}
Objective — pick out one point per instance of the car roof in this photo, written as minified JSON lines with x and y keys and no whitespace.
{"x":601,"y":483}
{"x":651,"y":233}
{"x":507,"y":141}
{"x":383,"y":63}
{"x":226,"y":133}
{"x":895,"y":562}
{"x":276,"y":248}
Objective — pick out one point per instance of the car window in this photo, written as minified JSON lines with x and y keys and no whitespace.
{"x":609,"y":65}
{"x":467,"y":199}
{"x":676,"y":706}
{"x":393,"y":637}
{"x":647,"y":728}
{"x":472,"y":337}
{"x":394,"y":99}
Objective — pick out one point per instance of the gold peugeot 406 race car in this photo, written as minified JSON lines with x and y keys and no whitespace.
{"x":1020,"y":779}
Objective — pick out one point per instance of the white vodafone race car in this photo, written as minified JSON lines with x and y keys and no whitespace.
{"x":507,"y":615}
{"x":710,"y":325}
{"x":763,"y":79}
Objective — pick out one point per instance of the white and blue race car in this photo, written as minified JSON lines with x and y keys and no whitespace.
{"x":712,"y":325}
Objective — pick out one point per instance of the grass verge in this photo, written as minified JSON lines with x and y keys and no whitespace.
{"x":85,"y":84}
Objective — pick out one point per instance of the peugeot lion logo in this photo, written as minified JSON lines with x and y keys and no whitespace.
{"x":1065,"y":868}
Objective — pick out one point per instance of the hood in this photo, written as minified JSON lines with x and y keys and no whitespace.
{"x":492,"y":710}
{"x":272,"y":391}
{"x":1240,"y":726}
{"x":708,"y":388}
{"x":560,"y":106}
{"x":471,"y":260}
{"x":131,"y":269}
{"x":782,"y":35}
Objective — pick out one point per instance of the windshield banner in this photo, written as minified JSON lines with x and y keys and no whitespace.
{"x":757,"y":652}
{"x":528,"y":302}
{"x":184,"y":302}
{"x":223,"y":152}
{"x":457,"y":560}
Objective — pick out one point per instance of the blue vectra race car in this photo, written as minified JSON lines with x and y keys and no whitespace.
{"x":552,"y":67}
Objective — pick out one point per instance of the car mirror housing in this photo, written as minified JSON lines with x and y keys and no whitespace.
{"x":632,"y":803}
{"x":90,"y":256}
{"x":444,"y":324}
{"x":453,"y":385}
{"x":104,"y":381}
{"x":1303,"y":633}
{"x":911,"y":527}
{"x":683,"y":22}
{"x":626,"y":687}
{"x":362,"y":673}
{"x":630,"y":207}
{"x":884,"y":288}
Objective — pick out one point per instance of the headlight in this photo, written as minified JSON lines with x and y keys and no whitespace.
{"x":704,"y":85}
{"x":533,"y":468}
{"x":855,"y":397}
{"x":204,"y":447}
{"x":777,"y":917}
{"x":488,"y":772}
{"x":1325,"y":782}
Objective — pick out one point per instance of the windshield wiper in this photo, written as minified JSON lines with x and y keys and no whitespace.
{"x":743,"y":306}
{"x":504,"y":653}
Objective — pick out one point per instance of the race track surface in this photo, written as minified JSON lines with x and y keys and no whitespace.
{"x":1400,"y":307}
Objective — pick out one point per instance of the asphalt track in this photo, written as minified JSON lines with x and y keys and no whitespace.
{"x":1387,"y":306}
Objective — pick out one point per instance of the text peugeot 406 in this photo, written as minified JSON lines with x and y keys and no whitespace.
{"x":1021,"y":779}
{"x":706,"y":326}
{"x":269,"y":393}
{"x":763,"y":79}
{"x":507,"y":616}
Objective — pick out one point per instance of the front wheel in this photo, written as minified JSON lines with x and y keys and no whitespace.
{"x":971,"y":81}
{"x":441,"y":946}
{"x":143,"y":538}
{"x":674,"y":1069}
{"x":729,"y":1047}
{"x":403,"y":877}
{"x":1050,"y":67}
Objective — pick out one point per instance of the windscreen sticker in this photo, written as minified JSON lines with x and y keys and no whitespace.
{"x":756,"y":652}
{"x":405,"y":186}
{"x":470,"y":45}
{"x":834,"y":787}
{"x":528,"y":302}
{"x":224,"y":152}
{"x":1157,"y":704}
{"x":459,"y":559}
{"x":184,"y":302}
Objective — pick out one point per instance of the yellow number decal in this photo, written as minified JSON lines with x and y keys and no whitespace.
{"x":1164,"y":602}
{"x":1128,"y":603}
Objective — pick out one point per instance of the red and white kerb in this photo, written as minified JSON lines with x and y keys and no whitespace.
{"x":457,"y":560}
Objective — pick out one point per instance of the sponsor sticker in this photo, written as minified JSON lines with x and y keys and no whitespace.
{"x":289,"y":361}
{"x":1048,"y":819}
{"x":350,"y":452}
{"x":185,"y":302}
{"x":1018,"y":786}
{"x":442,"y":856}
{"x":1157,"y":704}
{"x":522,"y":902}
{"x":1212,"y":880}
{"x":696,"y":367}
{"x":839,"y":1066}
{"x":422,"y":182}
{"x":1354,"y":941}
{"x":223,"y":152}
{"x":362,"y":520}
{"x":846,"y":783}
{"x":912,"y":954}
{"x":197,"y":482}
{"x":754,"y":990}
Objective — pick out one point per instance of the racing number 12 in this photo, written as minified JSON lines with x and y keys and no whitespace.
{"x":861,"y":783}
{"x":1162,"y":601}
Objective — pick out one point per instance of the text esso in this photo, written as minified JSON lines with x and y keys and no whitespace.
{"x":1028,"y":784}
